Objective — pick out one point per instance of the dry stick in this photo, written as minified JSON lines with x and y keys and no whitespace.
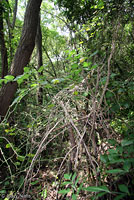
{"x":81,"y":139}
{"x":109,"y":61}
{"x":65,"y":158}
{"x":108,"y":73}
{"x":36,"y":155}
{"x":72,"y":123}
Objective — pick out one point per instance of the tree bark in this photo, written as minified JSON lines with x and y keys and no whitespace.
{"x":4,"y":62}
{"x":39,"y":58}
{"x":23,"y":53}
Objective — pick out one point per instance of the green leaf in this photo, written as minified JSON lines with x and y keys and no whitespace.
{"x":114,"y":171}
{"x":77,"y":180}
{"x":41,"y":69}
{"x":34,"y":85}
{"x":120,"y":197}
{"x":74,"y":66}
{"x":17,"y":163}
{"x":94,"y":67}
{"x":112,"y":142}
{"x":74,"y":176}
{"x":2,"y":191}
{"x":74,"y":197}
{"x":97,"y":189}
{"x":8,"y":145}
{"x":99,"y":195}
{"x":26,"y":69}
{"x":66,"y":183}
{"x":1,"y":81}
{"x":113,"y":151}
{"x":75,"y":93}
{"x":34,"y":182}
{"x":44,"y":193}
{"x":93,"y":54}
{"x":123,"y":188}
{"x":67,"y":176}
{"x":7,"y":183}
{"x":109,"y":94}
{"x":104,"y":158}
{"x":126,"y":142}
{"x":21,"y":158}
{"x":16,"y":100}
{"x":9,"y":77}
{"x":55,"y":81}
{"x":64,"y":191}
{"x":127,"y":166}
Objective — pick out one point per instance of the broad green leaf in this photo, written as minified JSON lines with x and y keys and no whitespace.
{"x":41,"y":69}
{"x":74,"y":66}
{"x":120,"y":197}
{"x":109,"y":94}
{"x":67,"y":176}
{"x":113,"y":151}
{"x":127,"y":166}
{"x":1,"y":81}
{"x":97,"y":189}
{"x":112,"y":141}
{"x":126,"y":142}
{"x":26,"y":69}
{"x":8,"y":145}
{"x":85,"y":64}
{"x":123,"y":188}
{"x":99,"y":195}
{"x":9,"y":77}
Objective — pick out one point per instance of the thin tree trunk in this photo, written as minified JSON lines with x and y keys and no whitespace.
{"x":23,"y":53}
{"x":39,"y":57}
{"x":3,"y":49}
{"x":14,"y":13}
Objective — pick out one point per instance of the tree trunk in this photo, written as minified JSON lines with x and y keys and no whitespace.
{"x":23,"y":53}
{"x":4,"y":62}
{"x":39,"y":58}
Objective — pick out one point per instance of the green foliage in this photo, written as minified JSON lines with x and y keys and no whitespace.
{"x":72,"y":186}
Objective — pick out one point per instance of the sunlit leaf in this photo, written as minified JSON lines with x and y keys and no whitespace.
{"x":9,"y":77}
